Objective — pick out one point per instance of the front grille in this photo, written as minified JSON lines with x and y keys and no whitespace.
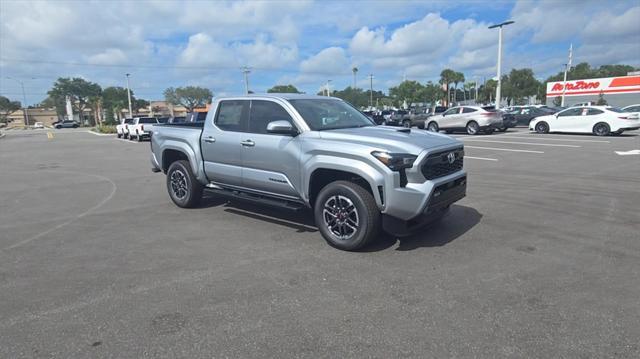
{"x":437,"y":164}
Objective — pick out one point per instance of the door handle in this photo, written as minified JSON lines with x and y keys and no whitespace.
{"x":248,"y":143}
{"x":209,"y":139}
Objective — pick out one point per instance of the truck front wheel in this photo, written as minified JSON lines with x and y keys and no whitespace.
{"x":184,"y":189}
{"x":347,"y":215}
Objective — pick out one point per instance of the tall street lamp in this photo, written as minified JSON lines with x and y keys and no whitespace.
{"x":25,"y":111}
{"x":129,"y":96}
{"x":498,"y":88}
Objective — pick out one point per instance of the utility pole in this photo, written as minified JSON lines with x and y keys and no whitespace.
{"x":498,"y":88}
{"x":371,"y":90}
{"x":355,"y":71}
{"x":567,"y":66}
{"x":129,"y":96}
{"x":246,"y":71}
{"x":328,"y":88}
{"x":25,"y":110}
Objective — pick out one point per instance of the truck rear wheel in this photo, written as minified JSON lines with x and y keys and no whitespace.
{"x":183,"y":187}
{"x":347,"y":215}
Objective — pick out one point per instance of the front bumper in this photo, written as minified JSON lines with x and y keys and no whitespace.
{"x":442,"y":195}
{"x":155,"y":165}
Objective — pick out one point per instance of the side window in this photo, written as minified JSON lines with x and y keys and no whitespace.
{"x":451,"y":111}
{"x":468,"y":110}
{"x":593,"y":111}
{"x":264,"y":112}
{"x":231,"y":115}
{"x":571,"y":112}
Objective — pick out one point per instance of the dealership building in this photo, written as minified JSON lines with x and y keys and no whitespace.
{"x":617,"y":91}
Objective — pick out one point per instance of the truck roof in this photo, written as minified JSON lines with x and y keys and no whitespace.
{"x":283,"y":96}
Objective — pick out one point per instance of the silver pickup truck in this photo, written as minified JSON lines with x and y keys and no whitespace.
{"x":298,"y":151}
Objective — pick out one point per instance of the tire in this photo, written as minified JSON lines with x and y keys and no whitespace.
{"x":184,"y":190}
{"x":542,"y":127}
{"x":472,"y":128}
{"x":119,"y":135}
{"x":406,"y":124}
{"x":125,"y":136}
{"x":489,"y":131}
{"x":601,"y":129}
{"x":421,"y":126}
{"x":75,"y":126}
{"x":503,"y":129}
{"x":617,"y":133}
{"x":360,"y":224}
{"x":130,"y":137}
{"x":138,"y":137}
{"x":433,"y":127}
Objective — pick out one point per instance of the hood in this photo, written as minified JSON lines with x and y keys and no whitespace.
{"x":392,"y":139}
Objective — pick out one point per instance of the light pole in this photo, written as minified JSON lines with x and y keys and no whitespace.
{"x":567,"y":66}
{"x":129,"y":96}
{"x":328,"y":88}
{"x":25,"y":111}
{"x":498,"y":88}
{"x":246,"y":71}
{"x":371,"y":91}
{"x":355,"y":72}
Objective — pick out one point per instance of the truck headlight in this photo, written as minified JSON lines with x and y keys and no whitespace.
{"x":395,"y":161}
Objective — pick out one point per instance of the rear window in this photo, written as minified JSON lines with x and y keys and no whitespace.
{"x":469,"y":110}
{"x":489,"y":109}
{"x":148,"y":120}
{"x":614,"y":109}
{"x":128,"y":120}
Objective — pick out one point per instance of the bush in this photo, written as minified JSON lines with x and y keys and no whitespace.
{"x":105,"y":129}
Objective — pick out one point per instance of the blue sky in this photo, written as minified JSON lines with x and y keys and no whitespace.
{"x":305,"y":43}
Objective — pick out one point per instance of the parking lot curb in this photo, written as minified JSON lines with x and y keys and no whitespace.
{"x":101,"y":134}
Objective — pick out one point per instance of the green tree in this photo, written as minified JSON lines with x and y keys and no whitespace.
{"x":138,"y":104}
{"x":114,"y":100}
{"x":487,"y":92}
{"x":447,"y":76}
{"x":8,"y":107}
{"x":79,"y":90}
{"x":410,"y":91}
{"x":190,"y":97}
{"x":458,"y":77}
{"x":432,"y":93}
{"x":519,"y":84}
{"x":283,"y":89}
{"x":601,"y":101}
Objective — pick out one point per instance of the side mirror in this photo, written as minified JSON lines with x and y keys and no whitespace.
{"x":281,"y":127}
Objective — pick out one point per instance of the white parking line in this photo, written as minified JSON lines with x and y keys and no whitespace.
{"x":480,"y":158}
{"x":521,"y":143}
{"x":502,"y":149}
{"x":127,"y":141}
{"x":551,"y":139}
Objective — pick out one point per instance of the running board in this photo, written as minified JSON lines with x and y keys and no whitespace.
{"x":254,"y":198}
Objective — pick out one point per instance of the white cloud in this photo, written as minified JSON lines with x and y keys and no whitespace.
{"x":202,"y":50}
{"x":108,"y":57}
{"x":332,"y":60}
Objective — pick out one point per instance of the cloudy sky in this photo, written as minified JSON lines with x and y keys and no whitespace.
{"x":305,"y":43}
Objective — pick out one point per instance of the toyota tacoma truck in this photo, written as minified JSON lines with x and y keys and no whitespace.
{"x":300,"y":151}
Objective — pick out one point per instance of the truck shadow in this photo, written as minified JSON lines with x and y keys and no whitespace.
{"x":456,"y":223}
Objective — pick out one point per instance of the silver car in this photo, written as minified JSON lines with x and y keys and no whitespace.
{"x":469,"y":119}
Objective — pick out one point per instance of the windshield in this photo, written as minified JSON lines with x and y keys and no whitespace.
{"x":320,"y":114}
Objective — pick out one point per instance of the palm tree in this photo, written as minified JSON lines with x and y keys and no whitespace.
{"x":458,"y":77}
{"x":355,"y":71}
{"x":446,"y":77}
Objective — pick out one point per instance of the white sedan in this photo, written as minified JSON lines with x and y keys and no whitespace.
{"x":599,"y":120}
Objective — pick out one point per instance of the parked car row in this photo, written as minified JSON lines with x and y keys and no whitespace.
{"x":140,"y":128}
{"x":599,"y":120}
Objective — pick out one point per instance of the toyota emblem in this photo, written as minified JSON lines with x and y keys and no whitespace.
{"x":451,"y":157}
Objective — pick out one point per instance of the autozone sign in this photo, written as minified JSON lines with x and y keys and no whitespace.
{"x":607,"y":85}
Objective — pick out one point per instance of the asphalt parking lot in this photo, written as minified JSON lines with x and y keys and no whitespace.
{"x":541,"y":259}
